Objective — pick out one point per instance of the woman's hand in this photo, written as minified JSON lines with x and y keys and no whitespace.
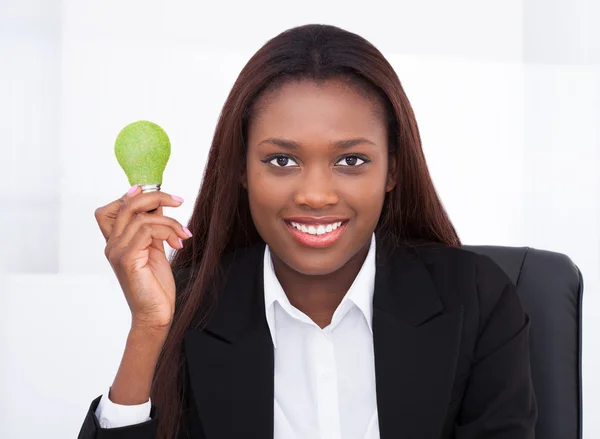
{"x":135,"y":250}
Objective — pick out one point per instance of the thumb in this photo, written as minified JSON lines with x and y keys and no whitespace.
{"x":106,"y":215}
{"x":133,"y":191}
{"x":114,"y":207}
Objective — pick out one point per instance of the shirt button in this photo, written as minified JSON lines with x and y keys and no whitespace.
{"x":104,"y":424}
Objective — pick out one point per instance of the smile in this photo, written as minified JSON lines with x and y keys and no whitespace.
{"x":316,"y":233}
{"x":314,"y":229}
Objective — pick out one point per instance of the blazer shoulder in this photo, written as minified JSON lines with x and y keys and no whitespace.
{"x":456,"y":257}
{"x":436,"y":253}
{"x":459,"y":271}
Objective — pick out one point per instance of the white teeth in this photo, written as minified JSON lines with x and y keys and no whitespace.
{"x":319,"y":230}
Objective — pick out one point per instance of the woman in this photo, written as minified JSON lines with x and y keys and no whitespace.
{"x":322,"y":292}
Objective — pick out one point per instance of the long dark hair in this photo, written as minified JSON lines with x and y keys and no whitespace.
{"x":221,"y":220}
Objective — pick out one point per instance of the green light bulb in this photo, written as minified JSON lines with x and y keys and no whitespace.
{"x":143,"y":150}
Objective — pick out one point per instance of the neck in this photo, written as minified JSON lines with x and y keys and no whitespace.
{"x":318,"y":296}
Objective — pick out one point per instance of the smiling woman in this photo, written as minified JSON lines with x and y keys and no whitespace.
{"x":322,"y":292}
{"x":317,"y":156}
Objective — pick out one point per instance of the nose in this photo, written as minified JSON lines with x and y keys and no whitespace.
{"x":316,"y":190}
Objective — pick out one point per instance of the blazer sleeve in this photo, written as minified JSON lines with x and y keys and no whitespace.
{"x":191,"y":426}
{"x":91,"y":428}
{"x":499,"y":400}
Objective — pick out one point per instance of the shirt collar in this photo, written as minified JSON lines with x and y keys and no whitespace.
{"x":362,"y":289}
{"x":360,"y":293}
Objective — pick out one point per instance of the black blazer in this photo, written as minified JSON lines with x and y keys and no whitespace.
{"x":451,"y":353}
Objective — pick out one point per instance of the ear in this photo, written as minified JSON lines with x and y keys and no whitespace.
{"x":244,"y":179}
{"x":392,"y":173}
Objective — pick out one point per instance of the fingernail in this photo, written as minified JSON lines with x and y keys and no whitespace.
{"x":180,"y":242}
{"x":187,"y":232}
{"x":132,"y":189}
{"x":176,"y":198}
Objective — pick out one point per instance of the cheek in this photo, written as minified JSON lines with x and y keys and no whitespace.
{"x":366,"y":194}
{"x":369,"y":186}
{"x":266,"y":192}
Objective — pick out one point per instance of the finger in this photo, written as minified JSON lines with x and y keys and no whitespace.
{"x":142,"y":204}
{"x":106,"y":215}
{"x":142,"y":240}
{"x":157,"y":244}
{"x":143,"y":220}
{"x":157,"y":211}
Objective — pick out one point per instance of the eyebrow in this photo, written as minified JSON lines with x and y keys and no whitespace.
{"x":342,"y":144}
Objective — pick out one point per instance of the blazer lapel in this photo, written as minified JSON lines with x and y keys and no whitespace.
{"x":416,"y":344}
{"x":231,"y":362}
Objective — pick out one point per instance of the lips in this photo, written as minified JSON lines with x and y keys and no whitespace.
{"x":310,"y":220}
{"x":316,"y":232}
{"x":316,"y":229}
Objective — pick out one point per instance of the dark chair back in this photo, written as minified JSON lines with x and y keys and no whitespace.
{"x":550,"y":287}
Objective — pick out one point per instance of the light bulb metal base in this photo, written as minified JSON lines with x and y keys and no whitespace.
{"x":150,"y":188}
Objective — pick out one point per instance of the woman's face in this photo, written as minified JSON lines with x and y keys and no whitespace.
{"x":317,"y":172}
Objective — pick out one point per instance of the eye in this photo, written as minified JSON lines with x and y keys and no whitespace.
{"x":352,"y":161}
{"x":281,"y":161}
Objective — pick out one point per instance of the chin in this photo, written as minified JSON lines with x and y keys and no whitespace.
{"x":312,"y":264}
{"x":316,"y":270}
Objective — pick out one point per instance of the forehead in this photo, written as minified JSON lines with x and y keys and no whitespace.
{"x":308,"y":110}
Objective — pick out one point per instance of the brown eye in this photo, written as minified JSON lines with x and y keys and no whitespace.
{"x":351,"y":160}
{"x":281,"y":161}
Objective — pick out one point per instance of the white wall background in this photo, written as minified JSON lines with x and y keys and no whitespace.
{"x":507,"y":95}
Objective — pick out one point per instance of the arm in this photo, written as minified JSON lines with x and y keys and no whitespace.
{"x":499,"y":401}
{"x":131,"y":387}
{"x":128,"y":407}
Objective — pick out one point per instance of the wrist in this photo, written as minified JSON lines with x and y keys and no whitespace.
{"x":148,"y":327}
{"x":147,"y":336}
{"x":133,"y":381}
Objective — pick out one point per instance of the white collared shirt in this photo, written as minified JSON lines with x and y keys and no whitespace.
{"x":324,"y":379}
